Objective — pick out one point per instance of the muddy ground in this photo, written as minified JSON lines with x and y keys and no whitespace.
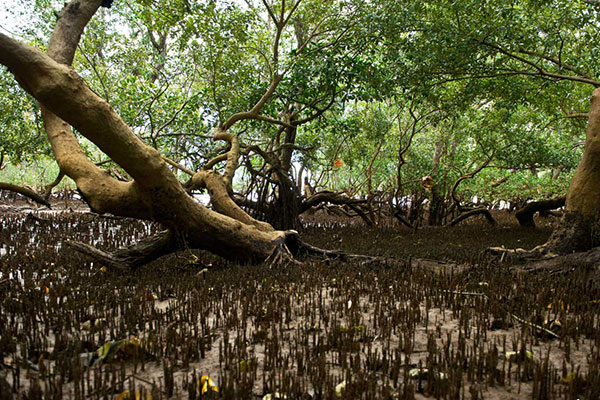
{"x":443,"y":321}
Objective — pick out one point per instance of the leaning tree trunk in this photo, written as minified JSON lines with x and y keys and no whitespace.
{"x":154,"y":193}
{"x":577,"y":230}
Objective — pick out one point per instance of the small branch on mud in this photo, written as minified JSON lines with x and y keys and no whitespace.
{"x":475,"y":294}
{"x":535,"y":326}
{"x":519,"y":253}
{"x":305,"y":249}
{"x":583,"y":261}
{"x":105,"y":216}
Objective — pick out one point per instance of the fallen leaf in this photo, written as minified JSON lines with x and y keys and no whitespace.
{"x":138,"y":395}
{"x":340,"y":389}
{"x":205,"y":384}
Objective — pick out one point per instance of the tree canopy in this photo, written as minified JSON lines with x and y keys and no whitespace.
{"x":355,"y":96}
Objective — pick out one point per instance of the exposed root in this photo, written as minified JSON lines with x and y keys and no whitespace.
{"x":282,"y":255}
{"x":478,"y":211}
{"x":568,"y":251}
{"x":588,"y":261}
{"x":32,"y":217}
{"x":572,"y":235}
{"x":521,"y":255}
{"x":525,"y":214}
{"x":330,"y":198}
{"x":134,"y":256}
{"x":307,"y":250}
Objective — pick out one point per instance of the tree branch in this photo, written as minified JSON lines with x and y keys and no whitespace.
{"x":25,"y":192}
{"x":539,"y":69}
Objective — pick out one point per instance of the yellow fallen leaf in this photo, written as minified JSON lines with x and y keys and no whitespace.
{"x":244,"y":366}
{"x":570,"y":378}
{"x":104,"y":349}
{"x":559,"y":306}
{"x":138,"y":395}
{"x":274,"y":396}
{"x":205,"y":384}
{"x":340,"y":389}
{"x":514,"y":356}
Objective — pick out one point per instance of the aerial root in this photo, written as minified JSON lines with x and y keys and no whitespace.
{"x":133,"y":256}
{"x":282,"y":255}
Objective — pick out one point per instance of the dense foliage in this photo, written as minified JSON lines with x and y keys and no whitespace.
{"x":393,"y":90}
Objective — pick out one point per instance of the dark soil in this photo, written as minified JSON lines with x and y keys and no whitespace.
{"x":463,"y":243}
{"x":320,"y":330}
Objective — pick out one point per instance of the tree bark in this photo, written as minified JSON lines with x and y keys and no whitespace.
{"x":584,"y":192}
{"x":328,"y":197}
{"x":577,"y":231}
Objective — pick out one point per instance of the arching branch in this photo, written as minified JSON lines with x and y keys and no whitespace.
{"x":48,"y":188}
{"x":466,"y":212}
{"x":578,"y":77}
{"x":526,"y":213}
{"x":470,"y":175}
{"x":30,"y":194}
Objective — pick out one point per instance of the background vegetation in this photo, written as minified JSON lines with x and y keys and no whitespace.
{"x":395,"y":90}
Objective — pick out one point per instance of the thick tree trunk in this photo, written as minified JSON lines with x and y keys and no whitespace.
{"x":435,"y":208}
{"x":286,"y":204}
{"x":577,"y":231}
{"x":572,"y":234}
{"x":583,"y":196}
{"x":155,"y":193}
